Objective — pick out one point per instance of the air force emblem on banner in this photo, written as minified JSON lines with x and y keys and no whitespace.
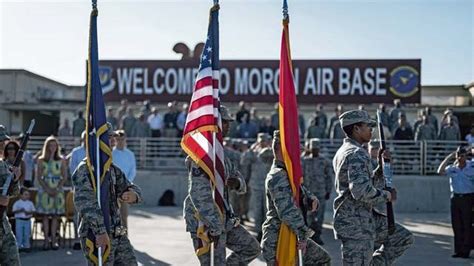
{"x":105,"y":74}
{"x":404,"y":81}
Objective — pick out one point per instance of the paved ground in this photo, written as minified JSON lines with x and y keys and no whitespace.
{"x":159,"y":239}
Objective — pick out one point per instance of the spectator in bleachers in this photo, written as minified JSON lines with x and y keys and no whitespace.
{"x":241,"y":112}
{"x":337,"y":132}
{"x":155,"y":120}
{"x":23,"y":210}
{"x":267,"y":126}
{"x":425,"y":131}
{"x":78,"y":125}
{"x":403,"y":130}
{"x":51,"y":172}
{"x":9,"y":154}
{"x":419,"y":120}
{"x":65,"y":130}
{"x":77,"y":155}
{"x":29,"y":174}
{"x":247,"y":129}
{"x":450,"y":130}
{"x":431,"y":118}
{"x":3,"y":139}
{"x":470,"y":137}
{"x":111,"y":118}
{"x":234,"y":129}
{"x":146,"y":108}
{"x":274,"y":118}
{"x":128,"y":122}
{"x":122,"y":111}
{"x":170,"y":131}
{"x":124,"y":159}
{"x":321,"y":116}
{"x":315,"y":130}
{"x":255,"y":118}
{"x":338,"y":111}
{"x":449,"y":112}
{"x":181,"y":120}
{"x":142,"y":128}
{"x":384,"y":116}
{"x":395,"y":114}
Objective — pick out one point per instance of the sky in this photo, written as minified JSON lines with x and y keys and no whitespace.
{"x":50,"y":38}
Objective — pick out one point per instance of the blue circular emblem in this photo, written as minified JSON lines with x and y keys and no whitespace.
{"x":404,"y":81}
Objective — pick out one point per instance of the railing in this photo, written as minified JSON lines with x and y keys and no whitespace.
{"x":408,"y":157}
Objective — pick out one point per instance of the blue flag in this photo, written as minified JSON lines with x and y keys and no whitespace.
{"x":98,"y":152}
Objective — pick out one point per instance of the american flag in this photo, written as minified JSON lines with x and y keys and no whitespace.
{"x":202,"y":136}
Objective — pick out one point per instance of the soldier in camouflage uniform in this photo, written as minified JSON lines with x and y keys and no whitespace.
{"x":237,"y":200}
{"x":282,"y":209}
{"x":318,"y":178}
{"x":91,"y":216}
{"x":354,"y":221}
{"x":425,"y":131}
{"x":8,"y":248}
{"x":259,"y":160}
{"x":200,"y":203}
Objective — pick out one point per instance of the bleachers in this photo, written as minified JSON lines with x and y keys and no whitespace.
{"x":409,"y":157}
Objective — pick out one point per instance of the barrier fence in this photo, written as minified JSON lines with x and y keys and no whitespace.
{"x":408,"y":157}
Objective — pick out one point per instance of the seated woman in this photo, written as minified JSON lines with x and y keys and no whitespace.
{"x":51,"y":173}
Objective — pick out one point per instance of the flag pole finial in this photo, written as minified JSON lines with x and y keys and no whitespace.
{"x":216,"y":2}
{"x":286,"y":17}
{"x":94,"y":4}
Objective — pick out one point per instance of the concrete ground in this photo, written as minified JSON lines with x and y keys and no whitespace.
{"x":159,"y":238}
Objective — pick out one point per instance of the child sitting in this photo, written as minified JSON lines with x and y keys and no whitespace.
{"x":23,"y":210}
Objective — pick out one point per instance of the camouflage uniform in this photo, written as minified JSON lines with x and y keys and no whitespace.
{"x":8,"y":248}
{"x":425,"y":132}
{"x":91,"y":217}
{"x":355,"y":222}
{"x":336,"y":131}
{"x":260,"y":163}
{"x":449,"y":132}
{"x":318,"y":178}
{"x":200,"y":203}
{"x":282,"y":209}
{"x":237,"y":200}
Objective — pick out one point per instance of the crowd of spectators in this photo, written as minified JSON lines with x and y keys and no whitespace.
{"x":46,"y":177}
{"x":152,"y":122}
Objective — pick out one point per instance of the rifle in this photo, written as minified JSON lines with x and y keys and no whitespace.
{"x":387,"y":173}
{"x":9,"y":184}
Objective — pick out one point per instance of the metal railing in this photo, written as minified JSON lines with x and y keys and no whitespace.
{"x":408,"y":157}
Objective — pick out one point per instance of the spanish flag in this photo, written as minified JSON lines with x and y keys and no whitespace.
{"x":288,"y":116}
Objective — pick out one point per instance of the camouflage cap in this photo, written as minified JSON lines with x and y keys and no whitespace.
{"x":263,"y":137}
{"x":3,"y":133}
{"x":314,"y":143}
{"x":356,"y":116}
{"x":225,"y":114}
